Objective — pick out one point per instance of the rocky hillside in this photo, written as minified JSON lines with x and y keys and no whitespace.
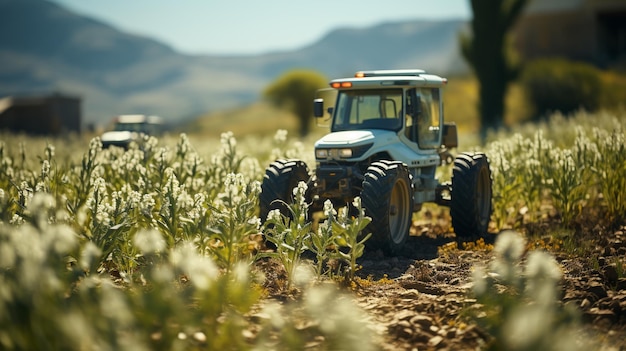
{"x":45,"y":48}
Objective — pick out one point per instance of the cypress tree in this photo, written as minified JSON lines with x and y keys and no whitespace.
{"x":486,"y":51}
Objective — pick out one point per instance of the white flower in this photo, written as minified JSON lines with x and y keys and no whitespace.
{"x":147,"y":204}
{"x":296,"y":151}
{"x":274,"y":215}
{"x":510,"y":245}
{"x":41,"y":207}
{"x":281,"y":136}
{"x":329,"y":209}
{"x":183,"y":145}
{"x":89,"y":255}
{"x":184,"y":200}
{"x":299,"y":193}
{"x":95,"y":146}
{"x":255,"y":188}
{"x":61,"y":238}
{"x":233,"y":184}
{"x":228,"y":140}
{"x":255,"y":222}
{"x":172,"y":186}
{"x":542,"y":273}
{"x":201,"y":270}
{"x":149,"y":241}
{"x":26,"y":193}
{"x":358,"y":205}
{"x":150,"y":143}
{"x":526,"y":326}
{"x":40,"y":187}
{"x":479,"y":281}
{"x":250,"y":167}
{"x":45,"y":169}
{"x":99,"y":185}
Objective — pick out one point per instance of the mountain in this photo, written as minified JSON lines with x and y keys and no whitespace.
{"x":45,"y":48}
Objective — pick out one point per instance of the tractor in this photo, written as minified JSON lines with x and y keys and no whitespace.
{"x":387,"y":138}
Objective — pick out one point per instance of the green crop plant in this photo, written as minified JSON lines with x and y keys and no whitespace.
{"x":518,"y":300}
{"x":290,"y":233}
{"x":324,"y":241}
{"x":350,"y":235}
{"x":234,"y":222}
{"x":610,"y":170}
{"x":154,"y":247}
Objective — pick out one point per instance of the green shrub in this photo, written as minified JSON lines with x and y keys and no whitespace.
{"x":614,"y":91}
{"x":559,"y":85}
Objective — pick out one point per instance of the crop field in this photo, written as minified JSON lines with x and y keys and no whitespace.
{"x":160,"y":247}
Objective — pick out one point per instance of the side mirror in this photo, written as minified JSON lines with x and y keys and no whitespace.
{"x":318,"y":107}
{"x":450,"y":137}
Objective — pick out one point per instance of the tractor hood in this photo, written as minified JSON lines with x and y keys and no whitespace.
{"x":350,"y":138}
{"x":353,"y":144}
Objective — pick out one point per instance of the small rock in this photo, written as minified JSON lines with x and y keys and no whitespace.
{"x":596,"y":288}
{"x":585,"y":304}
{"x":621,"y":297}
{"x":405,"y":315}
{"x":617,"y":244}
{"x":410,"y":294}
{"x":422,"y":287}
{"x":598,"y":316}
{"x":422,"y":337}
{"x":447,"y":333}
{"x":610,"y":273}
{"x":404,"y":324}
{"x":435,"y":340}
{"x":621,"y":284}
{"x":423,"y":321}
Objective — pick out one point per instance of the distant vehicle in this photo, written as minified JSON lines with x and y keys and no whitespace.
{"x":129,"y":128}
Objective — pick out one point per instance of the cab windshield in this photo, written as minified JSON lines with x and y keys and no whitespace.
{"x":368,"y":109}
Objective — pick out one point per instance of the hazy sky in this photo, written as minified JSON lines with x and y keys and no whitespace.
{"x":247,"y":26}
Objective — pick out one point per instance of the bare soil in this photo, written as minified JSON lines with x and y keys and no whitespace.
{"x":419,"y":301}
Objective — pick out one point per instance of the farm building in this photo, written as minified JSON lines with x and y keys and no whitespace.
{"x":44,"y":115}
{"x":593,"y":31}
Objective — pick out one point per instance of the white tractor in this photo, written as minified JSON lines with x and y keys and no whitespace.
{"x":387,"y":138}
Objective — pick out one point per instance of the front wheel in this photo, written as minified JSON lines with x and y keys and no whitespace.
{"x":387,"y":198}
{"x":281,"y":176}
{"x":470,"y":206}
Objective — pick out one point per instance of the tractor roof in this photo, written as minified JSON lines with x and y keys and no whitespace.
{"x":389,"y":78}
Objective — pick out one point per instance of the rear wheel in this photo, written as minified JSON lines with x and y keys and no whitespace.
{"x":470,"y":206}
{"x":281,"y":176}
{"x":387,"y":198}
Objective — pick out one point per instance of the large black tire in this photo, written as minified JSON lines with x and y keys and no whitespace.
{"x":281,"y":176}
{"x":470,"y":206}
{"x":387,"y":198}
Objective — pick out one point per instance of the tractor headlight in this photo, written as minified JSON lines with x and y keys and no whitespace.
{"x":333,"y":153}
{"x":321,"y":153}
{"x":345,"y":153}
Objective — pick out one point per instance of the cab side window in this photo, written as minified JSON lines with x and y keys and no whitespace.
{"x":410,"y":115}
{"x":428,"y":129}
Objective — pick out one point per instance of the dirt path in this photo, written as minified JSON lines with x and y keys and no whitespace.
{"x":420,"y":301}
{"x":420,"y":304}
